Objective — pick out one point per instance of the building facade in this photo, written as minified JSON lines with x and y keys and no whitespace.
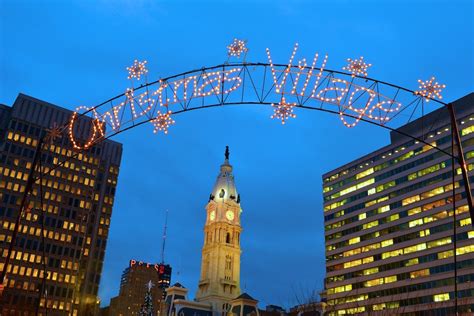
{"x":220,"y":264}
{"x":389,"y":225}
{"x":133,"y":287}
{"x":57,"y":259}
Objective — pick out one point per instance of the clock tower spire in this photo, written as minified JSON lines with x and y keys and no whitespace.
{"x":220,"y":265}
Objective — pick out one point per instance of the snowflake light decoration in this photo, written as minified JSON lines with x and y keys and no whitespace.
{"x":430,"y":89}
{"x":162,"y":122}
{"x":137,"y":70}
{"x":283,"y":111}
{"x":53,"y":133}
{"x":357,"y":67}
{"x":150,"y":285}
{"x":236,"y":48}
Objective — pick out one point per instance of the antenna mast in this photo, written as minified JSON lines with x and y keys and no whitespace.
{"x":164,"y":239}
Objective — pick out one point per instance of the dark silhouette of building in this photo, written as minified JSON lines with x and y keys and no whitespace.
{"x":133,"y":287}
{"x":57,"y":258}
{"x":274,"y":309}
{"x":315,"y":308}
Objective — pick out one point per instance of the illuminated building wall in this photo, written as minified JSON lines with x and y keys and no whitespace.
{"x":389,"y":224}
{"x":77,"y":200}
{"x":133,"y":287}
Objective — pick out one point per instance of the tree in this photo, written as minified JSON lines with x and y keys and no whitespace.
{"x":147,"y":307}
{"x":308,"y":301}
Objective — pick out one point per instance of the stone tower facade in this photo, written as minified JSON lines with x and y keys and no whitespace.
{"x":220,"y":266}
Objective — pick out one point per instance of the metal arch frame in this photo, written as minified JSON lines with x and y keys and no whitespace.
{"x":454,"y":125}
{"x":454,"y":128}
{"x":251,"y":64}
{"x":262,"y":102}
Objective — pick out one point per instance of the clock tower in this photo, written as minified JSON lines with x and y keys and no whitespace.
{"x":220,"y":265}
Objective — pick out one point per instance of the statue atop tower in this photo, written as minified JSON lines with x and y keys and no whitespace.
{"x":220,"y":264}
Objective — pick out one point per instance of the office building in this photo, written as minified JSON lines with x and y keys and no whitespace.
{"x":133,"y":287}
{"x":56,"y":264}
{"x":389,"y":224}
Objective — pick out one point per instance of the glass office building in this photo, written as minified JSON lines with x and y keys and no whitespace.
{"x":56,"y":264}
{"x":389,"y":224}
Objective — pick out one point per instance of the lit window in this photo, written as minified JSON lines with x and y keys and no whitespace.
{"x":369,"y":225}
{"x":414,"y":248}
{"x":365,"y":183}
{"x":364,"y":173}
{"x":393,"y":217}
{"x":441,"y":297}
{"x":370,"y":203}
{"x":327,"y":189}
{"x":467,"y":130}
{"x":416,"y":222}
{"x":424,"y":233}
{"x":419,"y":273}
{"x":374,"y":282}
{"x":393,"y":253}
{"x":464,"y":250}
{"x":410,"y":200}
{"x":378,"y":307}
{"x":371,"y":271}
{"x":439,"y":242}
{"x":351,"y":252}
{"x":352,"y":263}
{"x":465,"y":222}
{"x":354,"y":240}
{"x":411,"y":262}
{"x":445,"y":254}
{"x":432,"y":193}
{"x":367,"y":260}
{"x":346,"y":191}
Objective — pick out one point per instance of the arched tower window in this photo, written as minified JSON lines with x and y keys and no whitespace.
{"x":227,"y":238}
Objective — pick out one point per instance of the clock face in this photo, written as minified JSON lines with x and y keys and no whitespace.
{"x":229,"y":215}
{"x":212,"y":215}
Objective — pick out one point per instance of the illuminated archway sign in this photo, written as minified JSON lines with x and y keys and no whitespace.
{"x":286,"y":87}
{"x":352,"y":95}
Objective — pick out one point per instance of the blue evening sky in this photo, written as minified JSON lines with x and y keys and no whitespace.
{"x":74,"y":53}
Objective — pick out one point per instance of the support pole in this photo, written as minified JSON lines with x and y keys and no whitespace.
{"x":455,"y":236}
{"x":29,"y":185}
{"x":461,"y":160}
